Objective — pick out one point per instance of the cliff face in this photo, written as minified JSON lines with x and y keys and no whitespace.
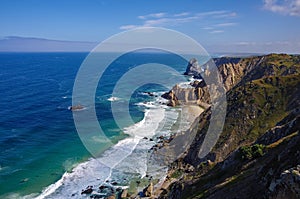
{"x":234,"y":71}
{"x":262,"y":124}
{"x":231,"y":71}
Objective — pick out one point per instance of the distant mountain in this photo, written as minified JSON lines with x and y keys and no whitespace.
{"x":27,"y":44}
{"x":257,"y":154}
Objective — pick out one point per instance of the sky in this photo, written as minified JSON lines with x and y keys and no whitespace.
{"x":261,"y":26}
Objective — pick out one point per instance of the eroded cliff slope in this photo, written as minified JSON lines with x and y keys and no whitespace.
{"x":258,"y":153}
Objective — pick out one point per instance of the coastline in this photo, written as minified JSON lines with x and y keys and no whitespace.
{"x":150,"y":186}
{"x":190,"y":116}
{"x":186,"y":122}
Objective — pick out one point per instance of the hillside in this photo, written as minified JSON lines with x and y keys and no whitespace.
{"x":257,"y":154}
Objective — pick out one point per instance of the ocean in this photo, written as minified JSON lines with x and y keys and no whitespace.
{"x":41,"y":154}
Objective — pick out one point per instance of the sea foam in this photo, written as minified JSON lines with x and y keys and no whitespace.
{"x":123,"y":161}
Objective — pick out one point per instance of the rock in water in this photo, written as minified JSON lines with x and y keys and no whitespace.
{"x":193,"y":69}
{"x":88,"y":190}
{"x":76,"y":107}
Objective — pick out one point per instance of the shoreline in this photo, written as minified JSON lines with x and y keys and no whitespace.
{"x":185,"y":122}
{"x":190,"y":113}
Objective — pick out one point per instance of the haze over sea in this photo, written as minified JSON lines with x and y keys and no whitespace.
{"x":38,"y":141}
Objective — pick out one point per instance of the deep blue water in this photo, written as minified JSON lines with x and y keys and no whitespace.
{"x":35,"y":124}
{"x":38,"y":139}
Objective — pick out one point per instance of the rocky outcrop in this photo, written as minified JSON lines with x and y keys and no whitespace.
{"x":194,"y":69}
{"x":231,"y":70}
{"x":287,"y":186}
{"x":263,"y":107}
{"x":176,"y":191}
{"x":173,"y":100}
{"x":287,"y":126}
{"x":148,"y":191}
{"x":196,"y":94}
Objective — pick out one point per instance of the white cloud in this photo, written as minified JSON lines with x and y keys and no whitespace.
{"x":245,"y":43}
{"x":153,"y":15}
{"x":128,"y":27}
{"x":217,"y":31}
{"x":168,"y":21}
{"x":285,"y":7}
{"x":215,"y":28}
{"x":212,"y":13}
{"x":156,"y":22}
{"x":218,"y":14}
{"x":225,"y":24}
{"x":163,"y":19}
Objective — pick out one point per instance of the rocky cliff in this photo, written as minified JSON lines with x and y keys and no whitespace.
{"x":257,"y":154}
{"x":232,"y":72}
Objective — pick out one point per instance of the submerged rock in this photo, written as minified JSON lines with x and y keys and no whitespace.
{"x":24,"y":180}
{"x":150,"y":94}
{"x":114,"y":183}
{"x":103,"y":187}
{"x":76,"y":107}
{"x":87,"y":190}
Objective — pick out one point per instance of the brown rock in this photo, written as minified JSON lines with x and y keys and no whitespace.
{"x":172,"y":97}
{"x":148,"y":191}
{"x":124,"y":193}
{"x":111,"y":197}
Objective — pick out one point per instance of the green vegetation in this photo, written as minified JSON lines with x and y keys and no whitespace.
{"x":255,"y":107}
{"x":267,"y":96}
{"x":176,"y":174}
{"x":251,"y":152}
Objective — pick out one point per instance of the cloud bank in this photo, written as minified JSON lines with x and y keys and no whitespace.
{"x":285,"y":7}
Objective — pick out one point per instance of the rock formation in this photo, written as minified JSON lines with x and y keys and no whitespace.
{"x":148,"y":191}
{"x":263,"y":97}
{"x":287,"y":186}
{"x":194,"y":69}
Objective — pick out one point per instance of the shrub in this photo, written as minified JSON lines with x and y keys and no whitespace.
{"x":251,"y":152}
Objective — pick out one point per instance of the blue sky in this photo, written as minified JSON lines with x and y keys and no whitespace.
{"x":219,"y":25}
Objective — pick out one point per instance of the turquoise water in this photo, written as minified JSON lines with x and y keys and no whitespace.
{"x":38,"y":139}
